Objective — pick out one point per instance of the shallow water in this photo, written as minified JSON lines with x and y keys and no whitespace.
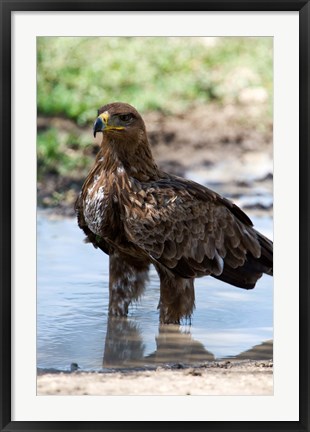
{"x":72,"y":305}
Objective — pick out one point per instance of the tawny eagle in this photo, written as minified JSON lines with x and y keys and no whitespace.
{"x":140,"y":215}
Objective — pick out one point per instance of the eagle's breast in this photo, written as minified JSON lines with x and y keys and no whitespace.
{"x":96,"y":204}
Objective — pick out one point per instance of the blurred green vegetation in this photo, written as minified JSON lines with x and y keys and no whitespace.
{"x":61,"y":152}
{"x":77,"y":75}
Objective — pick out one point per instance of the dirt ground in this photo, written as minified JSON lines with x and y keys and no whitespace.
{"x":248,"y":377}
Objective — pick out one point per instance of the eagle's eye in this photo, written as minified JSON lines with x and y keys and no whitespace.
{"x":126,"y":117}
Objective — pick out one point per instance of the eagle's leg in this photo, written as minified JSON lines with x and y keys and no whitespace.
{"x":127,"y":279}
{"x":177,"y":297}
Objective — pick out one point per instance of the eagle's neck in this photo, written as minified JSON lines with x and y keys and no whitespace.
{"x":134,"y":160}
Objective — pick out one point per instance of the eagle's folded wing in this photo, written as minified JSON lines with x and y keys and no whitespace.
{"x":190,"y":229}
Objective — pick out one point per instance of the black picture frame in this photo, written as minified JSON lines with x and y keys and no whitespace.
{"x":7,"y":7}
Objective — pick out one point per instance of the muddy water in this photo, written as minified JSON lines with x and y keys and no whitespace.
{"x":73,"y":325}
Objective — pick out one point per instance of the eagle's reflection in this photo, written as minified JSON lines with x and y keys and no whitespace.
{"x":124,"y":346}
{"x":174,"y":345}
{"x":263,"y":351}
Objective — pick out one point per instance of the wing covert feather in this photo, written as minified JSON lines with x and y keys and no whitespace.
{"x":185,"y":226}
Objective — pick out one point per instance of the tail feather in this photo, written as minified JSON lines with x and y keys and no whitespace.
{"x":253,"y":269}
{"x":266,"y":258}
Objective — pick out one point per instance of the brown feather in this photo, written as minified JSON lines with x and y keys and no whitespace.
{"x":132,"y":210}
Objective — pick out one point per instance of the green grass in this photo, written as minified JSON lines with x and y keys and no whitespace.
{"x":77,"y":75}
{"x":62,"y":153}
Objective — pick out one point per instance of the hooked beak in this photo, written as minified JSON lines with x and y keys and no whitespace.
{"x":101,"y":123}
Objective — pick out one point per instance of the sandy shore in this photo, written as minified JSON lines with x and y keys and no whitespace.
{"x":247,"y":377}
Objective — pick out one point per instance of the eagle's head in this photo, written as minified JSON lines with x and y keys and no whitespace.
{"x":120,"y":121}
{"x":124,"y":142}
